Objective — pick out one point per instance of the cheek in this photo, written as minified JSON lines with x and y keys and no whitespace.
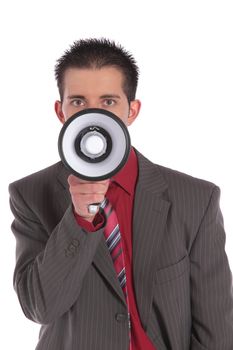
{"x":125,"y":120}
{"x":124,"y":114}
{"x":68,"y":111}
{"x":120,"y":115}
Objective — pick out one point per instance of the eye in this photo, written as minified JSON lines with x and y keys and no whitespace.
{"x":77,"y":102}
{"x":109,"y":102}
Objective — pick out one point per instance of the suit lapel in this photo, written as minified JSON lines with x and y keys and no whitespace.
{"x":149,"y":220}
{"x":104,"y":264}
{"x":102,"y":259}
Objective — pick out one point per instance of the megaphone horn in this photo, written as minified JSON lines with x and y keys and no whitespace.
{"x":94,"y":144}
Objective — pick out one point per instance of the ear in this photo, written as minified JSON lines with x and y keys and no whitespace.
{"x":58,"y":110}
{"x":134,"y":110}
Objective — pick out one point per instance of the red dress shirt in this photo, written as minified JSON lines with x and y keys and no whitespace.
{"x":121,"y":195}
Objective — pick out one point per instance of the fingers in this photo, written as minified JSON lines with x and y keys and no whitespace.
{"x":74,"y":180}
{"x":83,"y":193}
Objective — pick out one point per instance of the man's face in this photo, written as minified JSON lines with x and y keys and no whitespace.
{"x":95,"y":88}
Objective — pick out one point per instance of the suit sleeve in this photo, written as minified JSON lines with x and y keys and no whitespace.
{"x":50,"y":269}
{"x":211,"y":283}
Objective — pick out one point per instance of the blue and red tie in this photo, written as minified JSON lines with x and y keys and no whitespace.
{"x":113,"y":240}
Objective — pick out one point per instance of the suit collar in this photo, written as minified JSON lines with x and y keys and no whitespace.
{"x":62,"y":175}
{"x":149,"y":175}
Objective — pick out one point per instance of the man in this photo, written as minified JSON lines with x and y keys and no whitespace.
{"x":178,"y":281}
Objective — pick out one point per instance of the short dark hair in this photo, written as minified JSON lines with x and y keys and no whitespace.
{"x":98,"y":53}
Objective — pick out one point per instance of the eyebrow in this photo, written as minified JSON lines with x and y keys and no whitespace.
{"x":101,"y":97}
{"x":110,"y":96}
{"x":76,"y":96}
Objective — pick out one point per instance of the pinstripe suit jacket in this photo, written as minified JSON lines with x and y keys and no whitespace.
{"x":65,"y":279}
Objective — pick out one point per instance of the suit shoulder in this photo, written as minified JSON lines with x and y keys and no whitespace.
{"x":188,"y":194}
{"x":174,"y":180}
{"x":37,"y":179}
{"x":178,"y":179}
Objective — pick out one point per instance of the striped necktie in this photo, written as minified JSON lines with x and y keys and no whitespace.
{"x":113,"y":240}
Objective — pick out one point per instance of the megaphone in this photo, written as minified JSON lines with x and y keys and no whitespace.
{"x":94,"y":144}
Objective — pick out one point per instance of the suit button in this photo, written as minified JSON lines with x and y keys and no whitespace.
{"x":121,"y":317}
{"x":71,"y":250}
{"x":68,"y":253}
{"x":75,"y":242}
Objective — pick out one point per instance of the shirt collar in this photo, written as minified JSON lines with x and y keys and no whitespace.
{"x":127,"y":176}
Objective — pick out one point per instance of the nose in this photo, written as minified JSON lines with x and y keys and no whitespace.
{"x":94,"y":104}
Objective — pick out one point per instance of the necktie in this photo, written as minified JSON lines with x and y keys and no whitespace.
{"x":113,"y":240}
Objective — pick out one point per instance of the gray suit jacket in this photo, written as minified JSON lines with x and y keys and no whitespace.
{"x":65,"y":279}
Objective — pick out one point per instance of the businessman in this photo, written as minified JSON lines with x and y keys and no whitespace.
{"x":147,"y":270}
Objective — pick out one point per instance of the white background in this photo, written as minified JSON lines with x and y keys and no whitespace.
{"x":184,"y":50}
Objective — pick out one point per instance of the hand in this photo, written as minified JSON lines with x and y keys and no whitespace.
{"x":84,"y":193}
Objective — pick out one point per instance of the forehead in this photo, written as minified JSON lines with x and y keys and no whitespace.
{"x":93,"y":79}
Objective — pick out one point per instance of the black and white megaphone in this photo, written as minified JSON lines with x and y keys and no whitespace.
{"x":94,"y":144}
